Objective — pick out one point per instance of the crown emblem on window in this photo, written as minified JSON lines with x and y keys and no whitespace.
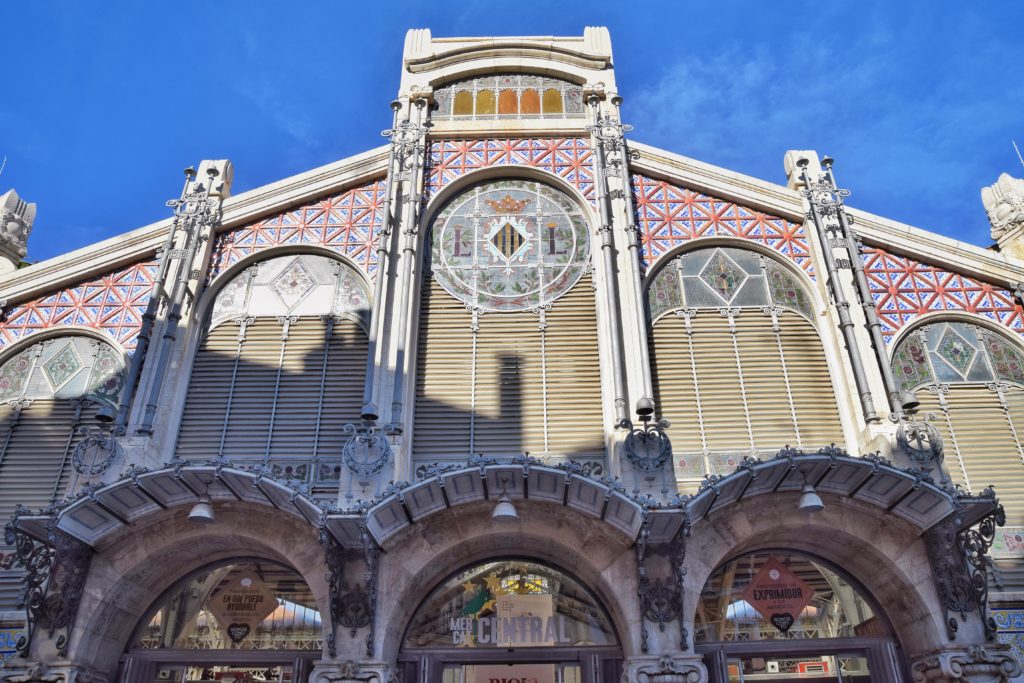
{"x":507,"y":204}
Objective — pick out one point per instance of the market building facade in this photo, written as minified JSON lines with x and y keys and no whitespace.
{"x":514,"y":399}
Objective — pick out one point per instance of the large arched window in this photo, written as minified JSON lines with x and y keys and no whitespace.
{"x":738,"y":366}
{"x":502,"y":96}
{"x":970,"y":381}
{"x":512,"y":615}
{"x":49,"y":395}
{"x":262,"y":612}
{"x":776,"y":615}
{"x":508,"y":359}
{"x":279,"y":371}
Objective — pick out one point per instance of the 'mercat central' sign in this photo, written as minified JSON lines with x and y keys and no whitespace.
{"x":516,"y":630}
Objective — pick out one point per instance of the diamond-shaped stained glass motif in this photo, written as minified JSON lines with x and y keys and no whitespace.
{"x":62,"y":366}
{"x":293,"y":284}
{"x":508,"y":240}
{"x":956,"y":351}
{"x":723,"y":275}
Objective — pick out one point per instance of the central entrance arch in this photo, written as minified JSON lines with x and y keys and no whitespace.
{"x":510,"y":620}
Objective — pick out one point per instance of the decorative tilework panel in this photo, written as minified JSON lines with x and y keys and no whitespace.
{"x":569,"y":158}
{"x":347,"y":223}
{"x":1010,"y":629}
{"x":904,"y":289}
{"x":669,"y":215}
{"x":113,"y":303}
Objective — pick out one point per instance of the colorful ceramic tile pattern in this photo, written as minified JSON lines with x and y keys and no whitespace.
{"x":669,"y":215}
{"x":568,"y":158}
{"x":113,"y":303}
{"x":904,"y":289}
{"x":347,"y":222}
{"x":1010,"y":629}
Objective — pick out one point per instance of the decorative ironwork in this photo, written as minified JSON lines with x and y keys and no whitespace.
{"x":661,"y":600}
{"x":960,"y":563}
{"x":921,"y":442}
{"x":661,"y":603}
{"x":95,"y":453}
{"x":55,"y":573}
{"x":366,"y":451}
{"x":648,"y":447}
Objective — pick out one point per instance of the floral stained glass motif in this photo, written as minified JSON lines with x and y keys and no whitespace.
{"x":956,"y":351}
{"x":14,"y":375}
{"x":715,"y":277}
{"x":293,"y":284}
{"x":62,"y":366}
{"x":723,"y":275}
{"x":510,"y":245}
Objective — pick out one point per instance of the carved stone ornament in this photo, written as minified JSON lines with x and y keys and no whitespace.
{"x":38,"y":672}
{"x":351,"y":672}
{"x":1004,"y":204}
{"x":974,"y":663}
{"x":672,"y":670}
{"x":16,"y":218}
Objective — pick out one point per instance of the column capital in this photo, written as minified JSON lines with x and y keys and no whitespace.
{"x":677,"y":668}
{"x":974,"y":663}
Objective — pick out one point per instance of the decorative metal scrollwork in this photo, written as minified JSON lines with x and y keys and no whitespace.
{"x":95,"y":453}
{"x":352,"y":607}
{"x":660,"y":603}
{"x":648,"y":447}
{"x":367,"y":450}
{"x":55,"y":573}
{"x":960,"y":563}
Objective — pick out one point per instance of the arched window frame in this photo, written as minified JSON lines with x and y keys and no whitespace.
{"x":569,"y":97}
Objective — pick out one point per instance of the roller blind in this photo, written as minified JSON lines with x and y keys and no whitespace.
{"x":509,"y":387}
{"x":980,"y":444}
{"x":758,"y":389}
{"x":274,"y":389}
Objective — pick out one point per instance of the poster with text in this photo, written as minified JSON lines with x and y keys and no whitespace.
{"x":778,"y":594}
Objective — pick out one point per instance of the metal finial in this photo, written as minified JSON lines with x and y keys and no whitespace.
{"x":396,"y":105}
{"x":827,"y":161}
{"x":190,"y":173}
{"x":802,"y":162}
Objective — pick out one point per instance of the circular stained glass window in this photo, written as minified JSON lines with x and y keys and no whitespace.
{"x":510,"y":245}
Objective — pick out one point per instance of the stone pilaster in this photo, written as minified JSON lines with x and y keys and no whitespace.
{"x":678,"y":668}
{"x":974,"y":663}
{"x":16,"y":218}
{"x":352,"y":672}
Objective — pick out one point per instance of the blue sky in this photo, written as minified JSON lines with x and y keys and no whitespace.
{"x":105,"y":103}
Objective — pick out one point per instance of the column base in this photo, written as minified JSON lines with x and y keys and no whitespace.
{"x":974,"y":663}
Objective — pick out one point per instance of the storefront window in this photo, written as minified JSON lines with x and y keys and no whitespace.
{"x":244,"y":606}
{"x":777,"y":595}
{"x":510,"y":604}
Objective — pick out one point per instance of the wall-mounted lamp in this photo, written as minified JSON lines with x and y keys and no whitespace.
{"x":202,"y":511}
{"x":504,"y":511}
{"x":810,"y":501}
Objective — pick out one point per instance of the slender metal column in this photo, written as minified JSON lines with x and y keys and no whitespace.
{"x":819,"y":206}
{"x":370,"y":410}
{"x":199,"y":212}
{"x":598,"y":137}
{"x":411,"y":160}
{"x":633,"y":245}
{"x":156,"y":299}
{"x":897,"y":400}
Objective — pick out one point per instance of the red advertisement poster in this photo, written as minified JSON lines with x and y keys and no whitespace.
{"x":778,"y":594}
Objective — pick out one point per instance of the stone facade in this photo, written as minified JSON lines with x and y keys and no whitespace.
{"x":227,"y":410}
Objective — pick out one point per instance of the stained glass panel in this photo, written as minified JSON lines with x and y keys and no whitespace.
{"x":785,"y":290}
{"x":509,"y":95}
{"x":910,"y":364}
{"x":509,"y":245}
{"x":723,"y":275}
{"x":956,"y":351}
{"x":1006,"y":360}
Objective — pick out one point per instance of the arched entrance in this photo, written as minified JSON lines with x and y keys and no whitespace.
{"x":510,"y":621}
{"x":241,"y":621}
{"x":779,"y":616}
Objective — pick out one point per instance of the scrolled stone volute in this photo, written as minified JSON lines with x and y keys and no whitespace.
{"x":16,"y":218}
{"x":1004,"y":203}
{"x":668,"y":669}
{"x":975,"y":663}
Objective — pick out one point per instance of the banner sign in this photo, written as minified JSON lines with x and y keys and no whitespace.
{"x":241,"y":605}
{"x":778,"y":594}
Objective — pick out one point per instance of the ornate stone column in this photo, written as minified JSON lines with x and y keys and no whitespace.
{"x":16,"y":217}
{"x":1004,"y":203}
{"x":680,"y":668}
{"x":352,"y":672}
{"x":974,"y":663}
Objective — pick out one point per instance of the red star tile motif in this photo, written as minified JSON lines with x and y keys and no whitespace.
{"x":669,"y":215}
{"x":347,"y":223}
{"x":904,"y":289}
{"x":113,"y":302}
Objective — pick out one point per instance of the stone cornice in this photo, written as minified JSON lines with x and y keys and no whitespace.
{"x":894,"y":236}
{"x":136,"y":245}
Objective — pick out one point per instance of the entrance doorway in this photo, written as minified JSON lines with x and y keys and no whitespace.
{"x":510,"y":621}
{"x":246,"y":621}
{"x":782,"y":617}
